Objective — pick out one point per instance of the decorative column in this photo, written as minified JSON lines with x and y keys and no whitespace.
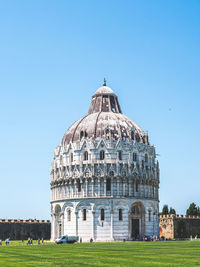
{"x":104,"y":187}
{"x":133,"y":187}
{"x":129,"y":186}
{"x":76,"y":188}
{"x":81,"y":185}
{"x":93,"y":224}
{"x":67,"y":189}
{"x":62,"y":222}
{"x":52,"y":226}
{"x":123,"y":184}
{"x":111,"y":224}
{"x":86,"y":186}
{"x":144,"y":189}
{"x":111,"y":186}
{"x":70,"y":186}
{"x":139,"y":188}
{"x":92,"y":187}
{"x":118,"y":181}
{"x":151,"y":190}
{"x":76,"y":214}
{"x":83,"y":188}
{"x":99,"y":186}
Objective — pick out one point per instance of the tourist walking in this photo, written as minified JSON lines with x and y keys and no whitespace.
{"x":28,"y":241}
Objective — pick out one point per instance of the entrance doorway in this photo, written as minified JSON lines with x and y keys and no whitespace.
{"x":135,"y":231}
{"x":136,"y":221}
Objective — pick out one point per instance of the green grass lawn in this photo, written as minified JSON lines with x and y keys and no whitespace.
{"x":174,"y":253}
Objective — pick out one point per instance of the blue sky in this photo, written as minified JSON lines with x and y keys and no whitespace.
{"x":53,"y":57}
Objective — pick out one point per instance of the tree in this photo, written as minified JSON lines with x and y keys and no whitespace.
{"x":193,"y":210}
{"x":172,"y":211}
{"x":165,"y":210}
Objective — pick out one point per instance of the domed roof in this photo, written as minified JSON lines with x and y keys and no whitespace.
{"x":104,"y":90}
{"x":104,"y":120}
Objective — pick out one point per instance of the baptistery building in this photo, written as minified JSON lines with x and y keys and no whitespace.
{"x":105,"y":177}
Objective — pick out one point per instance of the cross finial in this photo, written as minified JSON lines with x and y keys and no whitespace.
{"x":104,"y":82}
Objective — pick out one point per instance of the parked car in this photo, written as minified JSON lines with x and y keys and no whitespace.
{"x":66,"y":239}
{"x":58,"y":238}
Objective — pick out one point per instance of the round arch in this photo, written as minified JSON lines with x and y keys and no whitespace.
{"x":136,"y":221}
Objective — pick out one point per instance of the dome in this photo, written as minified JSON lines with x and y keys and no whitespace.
{"x":104,"y":90}
{"x":104,"y":120}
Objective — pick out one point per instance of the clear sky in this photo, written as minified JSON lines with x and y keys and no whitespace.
{"x":54,"y":56}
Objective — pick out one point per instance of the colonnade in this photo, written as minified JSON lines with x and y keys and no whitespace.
{"x":98,"y":187}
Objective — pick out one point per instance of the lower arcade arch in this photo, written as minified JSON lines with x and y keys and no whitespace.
{"x":136,"y":221}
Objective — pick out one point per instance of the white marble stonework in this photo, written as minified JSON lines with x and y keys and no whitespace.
{"x":104,"y":177}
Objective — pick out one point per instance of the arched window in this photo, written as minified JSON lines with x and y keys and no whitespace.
{"x":85,"y":155}
{"x":111,"y":173}
{"x":102,"y":215}
{"x":79,"y":186}
{"x":71,"y":157}
{"x":134,"y":156}
{"x":81,"y":135}
{"x":69,"y":215}
{"x":146,"y":158}
{"x":102,"y":154}
{"x":149,"y":215}
{"x":57,"y":209}
{"x":84,"y":215}
{"x":137,"y":187}
{"x":120,"y":215}
{"x":108,"y":184}
{"x":137,"y":137}
{"x":142,"y":164}
{"x":132,"y":135}
{"x":135,"y":210}
{"x":119,"y":155}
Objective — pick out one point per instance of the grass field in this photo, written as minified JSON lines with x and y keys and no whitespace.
{"x":174,"y":253}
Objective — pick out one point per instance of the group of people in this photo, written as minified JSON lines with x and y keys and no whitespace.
{"x":42,"y":239}
{"x":91,"y":240}
{"x":194,"y":237}
{"x":150,"y":238}
{"x":6,"y":241}
{"x":29,"y":241}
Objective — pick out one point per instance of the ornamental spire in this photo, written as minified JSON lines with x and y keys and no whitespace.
{"x":104,"y":82}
